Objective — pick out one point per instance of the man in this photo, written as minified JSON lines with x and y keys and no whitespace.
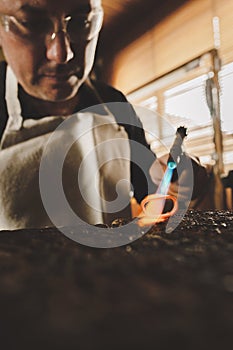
{"x":70,"y":147}
{"x":49,"y":47}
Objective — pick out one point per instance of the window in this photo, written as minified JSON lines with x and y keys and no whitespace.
{"x":179,"y":98}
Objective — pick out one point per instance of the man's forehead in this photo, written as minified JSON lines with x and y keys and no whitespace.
{"x":16,"y":5}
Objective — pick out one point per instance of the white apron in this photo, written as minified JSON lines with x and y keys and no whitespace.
{"x":95,"y":175}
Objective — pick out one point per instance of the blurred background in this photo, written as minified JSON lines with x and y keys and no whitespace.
{"x":174,"y":57}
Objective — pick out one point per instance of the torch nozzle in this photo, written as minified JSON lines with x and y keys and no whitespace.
{"x":171,"y":165}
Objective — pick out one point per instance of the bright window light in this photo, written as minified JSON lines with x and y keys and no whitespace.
{"x":226,"y":83}
{"x":188,"y":101}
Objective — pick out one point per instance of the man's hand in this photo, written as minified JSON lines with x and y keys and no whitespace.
{"x":189,"y":183}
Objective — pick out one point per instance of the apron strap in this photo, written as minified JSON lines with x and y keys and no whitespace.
{"x":15,"y":119}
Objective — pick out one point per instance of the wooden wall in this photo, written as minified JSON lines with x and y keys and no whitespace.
{"x":180,"y":37}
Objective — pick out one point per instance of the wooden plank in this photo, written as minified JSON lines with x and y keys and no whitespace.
{"x":180,"y":37}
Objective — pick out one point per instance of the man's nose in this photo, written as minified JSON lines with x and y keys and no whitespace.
{"x":59,"y":49}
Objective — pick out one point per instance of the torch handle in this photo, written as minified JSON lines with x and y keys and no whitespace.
{"x":176,"y":149}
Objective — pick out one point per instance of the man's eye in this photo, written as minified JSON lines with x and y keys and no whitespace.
{"x":38,"y":26}
{"x":80,"y":22}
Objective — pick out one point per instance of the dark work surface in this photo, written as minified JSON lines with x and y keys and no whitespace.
{"x":163,"y":291}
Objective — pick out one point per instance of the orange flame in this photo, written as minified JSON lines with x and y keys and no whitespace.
{"x":150,"y":211}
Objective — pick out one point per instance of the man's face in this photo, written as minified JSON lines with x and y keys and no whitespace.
{"x":46,"y":43}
